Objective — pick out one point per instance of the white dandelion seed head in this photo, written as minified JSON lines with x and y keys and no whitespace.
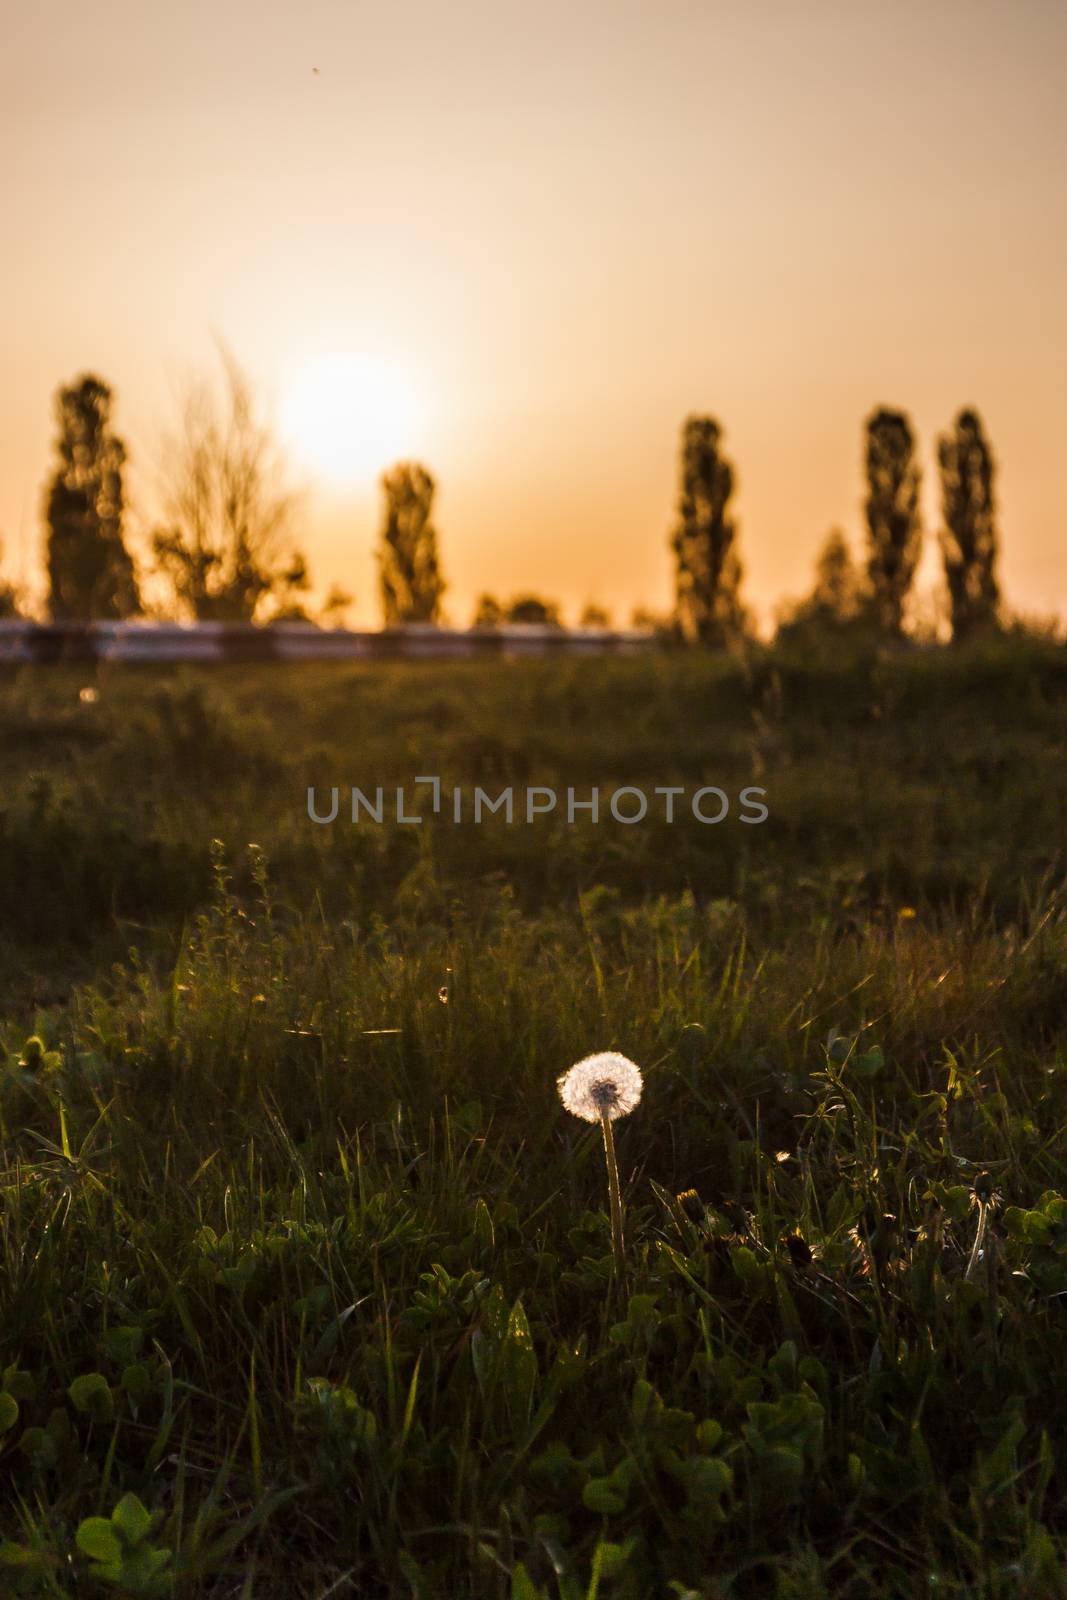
{"x":604,"y":1082}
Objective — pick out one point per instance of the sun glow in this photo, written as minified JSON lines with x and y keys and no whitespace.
{"x":349,"y":417}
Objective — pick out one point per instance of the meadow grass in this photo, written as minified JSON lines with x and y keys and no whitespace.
{"x":306,"y":1279}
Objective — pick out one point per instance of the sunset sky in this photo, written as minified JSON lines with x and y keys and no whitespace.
{"x":526,"y":240}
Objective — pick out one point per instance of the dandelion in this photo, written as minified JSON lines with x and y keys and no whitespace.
{"x":984,"y":1197}
{"x":599,"y":1089}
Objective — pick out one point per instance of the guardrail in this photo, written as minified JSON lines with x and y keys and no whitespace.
{"x":34,"y":643}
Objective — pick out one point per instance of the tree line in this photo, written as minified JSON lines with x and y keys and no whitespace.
{"x":224,"y":547}
{"x":874,"y":595}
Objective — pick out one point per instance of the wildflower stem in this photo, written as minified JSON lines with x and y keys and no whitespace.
{"x":614,"y":1196}
{"x":978,"y":1239}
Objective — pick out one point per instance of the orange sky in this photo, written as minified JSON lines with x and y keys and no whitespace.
{"x":562,"y":227}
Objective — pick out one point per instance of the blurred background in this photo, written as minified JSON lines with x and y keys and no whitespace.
{"x":520,"y":246}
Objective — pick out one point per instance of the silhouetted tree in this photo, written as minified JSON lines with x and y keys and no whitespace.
{"x":9,"y":597}
{"x":892,"y":508}
{"x":708,"y":569}
{"x":331,"y":614}
{"x":969,"y":535}
{"x":839,"y":585}
{"x":334,"y":607}
{"x":532,"y":608}
{"x":839,"y":599}
{"x":411,"y":579}
{"x":594,"y":616}
{"x":90,"y":571}
{"x":644,"y":617}
{"x":226,"y":548}
{"x":488,"y":613}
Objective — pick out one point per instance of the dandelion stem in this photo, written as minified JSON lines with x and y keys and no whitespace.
{"x":978,"y":1239}
{"x":614,"y":1197}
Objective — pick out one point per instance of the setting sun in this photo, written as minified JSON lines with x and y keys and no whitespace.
{"x":348,"y":417}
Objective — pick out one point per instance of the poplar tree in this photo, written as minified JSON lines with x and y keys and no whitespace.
{"x":969,"y":543}
{"x":708,"y":571}
{"x":409,"y":569}
{"x":893,"y":523}
{"x":90,"y":571}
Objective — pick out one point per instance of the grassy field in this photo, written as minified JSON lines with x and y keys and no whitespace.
{"x":305,"y":1274}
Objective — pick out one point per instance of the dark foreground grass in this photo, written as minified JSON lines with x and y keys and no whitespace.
{"x":305,"y":1285}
